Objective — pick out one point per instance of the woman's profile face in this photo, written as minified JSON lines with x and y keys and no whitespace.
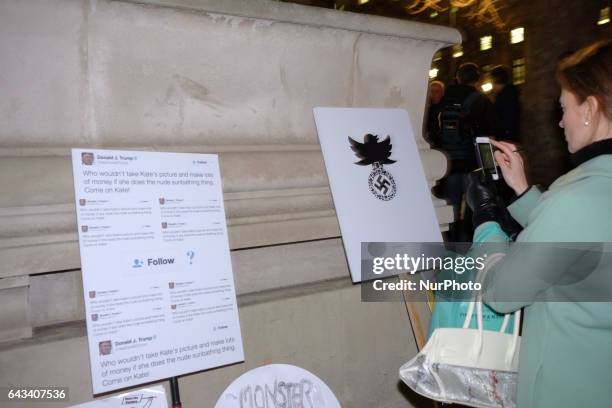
{"x":577,"y":134}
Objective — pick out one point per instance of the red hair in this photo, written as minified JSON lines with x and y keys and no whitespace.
{"x":588,"y":72}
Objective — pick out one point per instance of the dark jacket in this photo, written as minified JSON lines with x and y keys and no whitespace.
{"x":508,"y":110}
{"x":481,"y":117}
{"x":432,"y":126}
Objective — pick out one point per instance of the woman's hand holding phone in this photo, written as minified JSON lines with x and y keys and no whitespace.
{"x":512,"y":166}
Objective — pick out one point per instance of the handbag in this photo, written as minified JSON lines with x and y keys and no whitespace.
{"x":452,"y":313}
{"x":473,"y":367}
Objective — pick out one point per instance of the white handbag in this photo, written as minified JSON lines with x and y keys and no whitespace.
{"x":473,"y":367}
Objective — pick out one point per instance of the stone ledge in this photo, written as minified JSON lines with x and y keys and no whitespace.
{"x":77,"y":328}
{"x":15,"y":312}
{"x":316,"y":17}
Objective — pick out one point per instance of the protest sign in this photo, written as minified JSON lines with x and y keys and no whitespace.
{"x":376,"y":177}
{"x":150,"y":397}
{"x":276,"y":386}
{"x":157,"y":277}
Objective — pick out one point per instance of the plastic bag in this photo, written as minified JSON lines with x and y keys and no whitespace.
{"x":473,"y":367}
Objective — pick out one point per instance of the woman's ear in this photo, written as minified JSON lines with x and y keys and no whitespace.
{"x":591,"y":104}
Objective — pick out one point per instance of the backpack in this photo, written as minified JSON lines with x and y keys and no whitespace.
{"x":457,"y":130}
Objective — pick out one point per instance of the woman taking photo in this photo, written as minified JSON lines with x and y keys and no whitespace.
{"x":560,"y":268}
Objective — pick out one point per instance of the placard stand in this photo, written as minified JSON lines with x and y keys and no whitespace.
{"x":174,"y":391}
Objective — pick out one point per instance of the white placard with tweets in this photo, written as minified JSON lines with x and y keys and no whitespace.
{"x":157,"y":275}
{"x":376,"y":177}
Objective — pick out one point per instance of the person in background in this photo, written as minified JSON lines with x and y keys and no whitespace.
{"x":508,"y":110}
{"x":565,"y":288}
{"x":435,"y":95}
{"x":466,"y":114}
{"x":507,"y":105}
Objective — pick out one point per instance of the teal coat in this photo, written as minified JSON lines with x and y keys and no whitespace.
{"x":566,"y":350}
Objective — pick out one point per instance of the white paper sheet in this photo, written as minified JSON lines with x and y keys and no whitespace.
{"x":157,"y":276}
{"x":388,"y":203}
{"x":150,"y":397}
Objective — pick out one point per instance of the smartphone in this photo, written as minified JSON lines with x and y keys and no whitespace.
{"x":486,"y":159}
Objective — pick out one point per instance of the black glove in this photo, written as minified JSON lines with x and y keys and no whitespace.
{"x":482,"y":200}
{"x":486,"y":205}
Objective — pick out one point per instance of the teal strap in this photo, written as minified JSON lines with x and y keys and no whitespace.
{"x":489,"y":231}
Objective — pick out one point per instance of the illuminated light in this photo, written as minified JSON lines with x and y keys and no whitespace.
{"x":462,"y":3}
{"x":437,"y":56}
{"x":433,"y":73}
{"x":518,"y":71}
{"x":517,"y":35}
{"x":486,"y":87}
{"x":481,"y":11}
{"x":604,"y":16}
{"x":360,"y":2}
{"x":457,"y":50}
{"x":486,"y":42}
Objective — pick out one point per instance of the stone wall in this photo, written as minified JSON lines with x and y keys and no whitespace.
{"x":237,"y":78}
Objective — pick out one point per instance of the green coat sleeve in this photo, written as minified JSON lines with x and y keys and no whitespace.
{"x":521,"y":208}
{"x":544,"y":255}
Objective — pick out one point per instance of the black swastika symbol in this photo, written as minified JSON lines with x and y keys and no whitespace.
{"x":382,"y":184}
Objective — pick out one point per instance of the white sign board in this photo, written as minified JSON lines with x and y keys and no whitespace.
{"x":157,"y":275}
{"x":376,"y":178}
{"x":278,"y":385}
{"x":150,"y":397}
